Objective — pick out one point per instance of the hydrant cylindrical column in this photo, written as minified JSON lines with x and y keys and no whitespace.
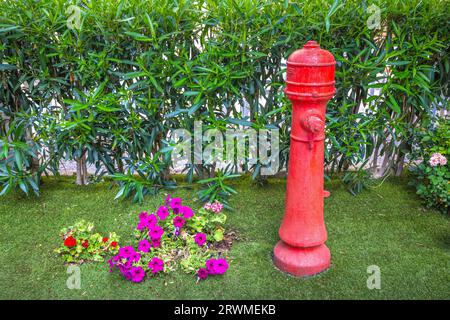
{"x":309,"y":85}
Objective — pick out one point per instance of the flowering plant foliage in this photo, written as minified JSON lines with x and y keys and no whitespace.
{"x":81,"y":244}
{"x":432,"y":174}
{"x":433,"y":182}
{"x":174,"y":237}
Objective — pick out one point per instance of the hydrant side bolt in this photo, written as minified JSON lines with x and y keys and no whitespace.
{"x":309,"y":85}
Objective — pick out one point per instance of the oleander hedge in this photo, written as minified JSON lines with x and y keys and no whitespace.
{"x":109,"y":92}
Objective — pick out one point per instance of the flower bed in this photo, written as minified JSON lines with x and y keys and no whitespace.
{"x":174,"y":237}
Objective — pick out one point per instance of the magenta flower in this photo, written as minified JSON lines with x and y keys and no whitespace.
{"x":178,"y":222}
{"x":144,"y":245}
{"x":187,"y":212}
{"x":127,"y":264}
{"x":156,"y":243}
{"x":176,"y":209}
{"x":211,"y":266}
{"x":216,"y":266}
{"x":175,"y":202}
{"x":114,"y":261}
{"x":125,"y":252}
{"x":156,"y":232}
{"x":150,"y":221}
{"x":221,"y":266}
{"x":143,"y":215}
{"x":200,"y":238}
{"x":156,"y":265}
{"x":202,"y":273}
{"x":141,"y":225}
{"x":162,"y":212}
{"x":134,"y":257}
{"x":137,"y":274}
{"x":126,"y":272}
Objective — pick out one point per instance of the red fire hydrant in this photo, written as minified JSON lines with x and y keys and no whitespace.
{"x":309,"y":85}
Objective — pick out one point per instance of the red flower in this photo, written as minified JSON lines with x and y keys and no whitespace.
{"x":70,"y":242}
{"x":105,"y":239}
{"x":85,"y":243}
{"x":113,"y":244}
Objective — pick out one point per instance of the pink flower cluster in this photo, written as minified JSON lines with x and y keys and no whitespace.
{"x":212,"y":267}
{"x":127,"y":261}
{"x":149,"y":223}
{"x":216,"y":206}
{"x":437,"y":159}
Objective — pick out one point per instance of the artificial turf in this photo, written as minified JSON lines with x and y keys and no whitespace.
{"x":384,"y":226}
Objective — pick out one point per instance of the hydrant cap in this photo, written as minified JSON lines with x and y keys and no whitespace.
{"x":312,"y":55}
{"x":310,"y":73}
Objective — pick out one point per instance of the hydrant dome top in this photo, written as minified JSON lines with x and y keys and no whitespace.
{"x":310,"y":73}
{"x":311,"y":55}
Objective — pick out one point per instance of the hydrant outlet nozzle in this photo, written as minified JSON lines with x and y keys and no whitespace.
{"x":314,"y":124}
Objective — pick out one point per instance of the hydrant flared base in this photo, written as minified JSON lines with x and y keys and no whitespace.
{"x":301,"y":262}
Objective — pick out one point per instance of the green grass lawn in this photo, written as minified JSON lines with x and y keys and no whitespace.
{"x":385,"y":226}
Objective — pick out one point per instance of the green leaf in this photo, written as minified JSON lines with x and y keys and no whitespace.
{"x":23,"y":186}
{"x":76,"y":105}
{"x":218,"y":235}
{"x":138,"y":36}
{"x":6,"y":189}
{"x":175,"y":113}
{"x":392,"y":103}
{"x":195,"y":107}
{"x":190,"y":93}
{"x":33,"y":185}
{"x":332,"y":11}
{"x":19,"y":159}
{"x":155,"y":83}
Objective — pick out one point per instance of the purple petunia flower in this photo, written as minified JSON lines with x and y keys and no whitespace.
{"x":125,"y":252}
{"x":143,"y":215}
{"x":178,"y":222}
{"x":128,"y":263}
{"x":150,"y":221}
{"x":126,"y":272}
{"x":187,"y":212}
{"x":175,"y":202}
{"x":176,"y":209}
{"x":200,"y":238}
{"x":156,"y":265}
{"x":144,"y":245}
{"x":156,"y":232}
{"x":156,"y":243}
{"x":216,"y":266}
{"x":137,"y":274}
{"x":211,"y":266}
{"x":162,"y":212}
{"x":141,"y":225}
{"x":202,"y":273}
{"x":134,"y":257}
{"x":221,"y":266}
